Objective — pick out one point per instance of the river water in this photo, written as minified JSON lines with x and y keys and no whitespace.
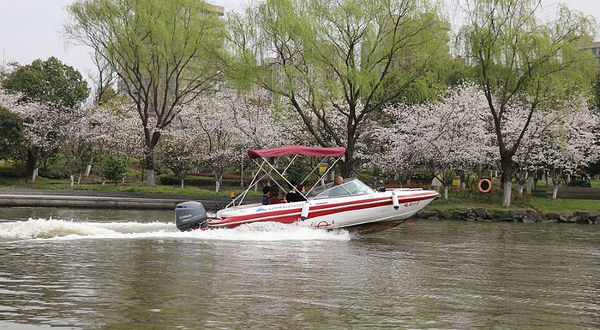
{"x":99,"y":269}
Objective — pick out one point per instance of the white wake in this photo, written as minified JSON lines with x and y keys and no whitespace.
{"x":57,"y":229}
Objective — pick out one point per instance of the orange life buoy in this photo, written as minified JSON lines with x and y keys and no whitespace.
{"x":485,"y":185}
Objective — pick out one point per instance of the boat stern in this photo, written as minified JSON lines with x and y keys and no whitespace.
{"x":190,"y":215}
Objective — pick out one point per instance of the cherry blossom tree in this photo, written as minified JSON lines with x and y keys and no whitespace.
{"x":113,"y":129}
{"x":446,"y":136}
{"x":117,"y":130}
{"x":179,"y":150}
{"x":226,"y":125}
{"x":41,"y":124}
{"x":74,"y":142}
{"x":570,"y":143}
{"x":559,"y":142}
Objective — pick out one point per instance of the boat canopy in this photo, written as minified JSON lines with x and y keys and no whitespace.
{"x":297,"y":150}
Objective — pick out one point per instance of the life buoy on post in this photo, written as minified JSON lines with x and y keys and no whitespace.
{"x":485,"y":185}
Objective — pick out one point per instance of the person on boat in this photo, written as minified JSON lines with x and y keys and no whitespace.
{"x":295,"y":196}
{"x":274,"y":196}
{"x":338,"y":181}
{"x":266,"y":195}
{"x":337,"y":190}
{"x":291,"y":195}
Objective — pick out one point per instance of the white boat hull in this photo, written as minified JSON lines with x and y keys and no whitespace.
{"x":332,"y":213}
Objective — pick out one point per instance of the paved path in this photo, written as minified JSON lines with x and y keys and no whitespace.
{"x":94,"y":199}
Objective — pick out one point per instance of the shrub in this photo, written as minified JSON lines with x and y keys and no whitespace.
{"x":52,"y":173}
{"x":114,"y":169}
{"x":12,"y":172}
{"x":579,"y":183}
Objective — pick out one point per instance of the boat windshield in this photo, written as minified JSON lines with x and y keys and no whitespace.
{"x":350,"y":187}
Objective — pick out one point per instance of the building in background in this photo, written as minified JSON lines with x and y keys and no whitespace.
{"x":594,"y":47}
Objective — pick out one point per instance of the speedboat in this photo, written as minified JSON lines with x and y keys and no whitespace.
{"x":351,"y":205}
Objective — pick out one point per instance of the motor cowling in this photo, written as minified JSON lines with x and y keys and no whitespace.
{"x":190,"y":215}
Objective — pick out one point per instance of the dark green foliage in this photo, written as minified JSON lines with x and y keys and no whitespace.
{"x":16,"y":171}
{"x":12,"y":139}
{"x":594,"y":169}
{"x":52,"y":173}
{"x":297,"y":172}
{"x":114,"y":169}
{"x":579,"y":183}
{"x":51,"y":82}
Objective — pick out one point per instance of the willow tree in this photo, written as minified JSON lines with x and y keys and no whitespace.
{"x":336,"y":63}
{"x":518,"y":59}
{"x":162,"y":52}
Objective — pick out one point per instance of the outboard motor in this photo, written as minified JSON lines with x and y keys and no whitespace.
{"x":190,"y":215}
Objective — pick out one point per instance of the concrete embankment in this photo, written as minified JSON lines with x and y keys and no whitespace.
{"x":93,"y":199}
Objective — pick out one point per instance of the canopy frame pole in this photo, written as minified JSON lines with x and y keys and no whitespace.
{"x":282,"y":176}
{"x":252,"y":183}
{"x":324,"y":174}
{"x":290,"y":164}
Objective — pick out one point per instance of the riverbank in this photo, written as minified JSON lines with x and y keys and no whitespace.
{"x":518,"y":215}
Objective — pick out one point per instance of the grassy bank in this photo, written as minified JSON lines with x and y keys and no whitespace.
{"x":538,"y":201}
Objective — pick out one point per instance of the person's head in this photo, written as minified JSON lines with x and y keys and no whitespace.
{"x":274,"y":191}
{"x":339,"y":180}
{"x":300,"y":188}
{"x":266,"y":190}
{"x":292,"y":185}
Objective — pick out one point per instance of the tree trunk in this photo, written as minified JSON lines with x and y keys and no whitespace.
{"x":506,"y":163}
{"x":218,"y":183}
{"x":72,"y":180}
{"x":554,"y":192}
{"x":88,"y":168}
{"x":507,"y":185}
{"x":149,"y":155}
{"x":446,"y":192}
{"x":36,"y":168}
{"x":29,"y":165}
{"x":520,"y":187}
{"x":150,"y":177}
{"x":242,"y":173}
{"x":529,"y":184}
{"x":346,"y":168}
{"x":182,"y":183}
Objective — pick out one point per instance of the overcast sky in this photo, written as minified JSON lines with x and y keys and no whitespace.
{"x":32,"y":29}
